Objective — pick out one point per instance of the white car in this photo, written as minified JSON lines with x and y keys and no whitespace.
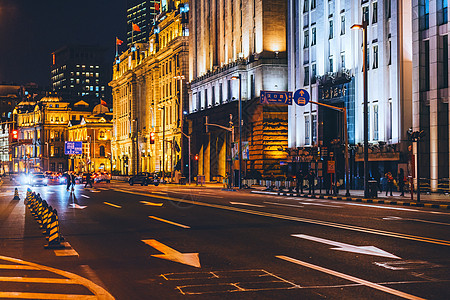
{"x":38,"y":179}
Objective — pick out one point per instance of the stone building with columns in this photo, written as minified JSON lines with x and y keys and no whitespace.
{"x":228,"y":40}
{"x":150,"y":95}
{"x":431,"y":111}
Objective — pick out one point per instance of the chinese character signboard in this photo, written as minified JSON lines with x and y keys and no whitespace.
{"x":73,"y":148}
{"x":335,"y":91}
{"x":270,"y":97}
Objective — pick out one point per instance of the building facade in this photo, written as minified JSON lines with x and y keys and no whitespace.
{"x":79,"y":73}
{"x":142,"y":13}
{"x":430,"y":91}
{"x":325,"y":57}
{"x":95,"y":132}
{"x":230,"y":40}
{"x":149,"y":97}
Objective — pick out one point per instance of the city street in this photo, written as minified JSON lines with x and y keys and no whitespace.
{"x":177,"y":242}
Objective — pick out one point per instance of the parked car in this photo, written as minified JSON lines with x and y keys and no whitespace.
{"x":144,"y":179}
{"x":38,"y":179}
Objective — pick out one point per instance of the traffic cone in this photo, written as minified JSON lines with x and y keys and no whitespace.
{"x":27,"y":198}
{"x":16,"y":195}
{"x":54,"y":237}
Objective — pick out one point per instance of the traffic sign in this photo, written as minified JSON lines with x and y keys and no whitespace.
{"x":271,"y":97}
{"x":73,"y":148}
{"x":331,"y":167}
{"x":301,"y":97}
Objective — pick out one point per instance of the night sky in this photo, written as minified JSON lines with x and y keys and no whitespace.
{"x":30,"y":30}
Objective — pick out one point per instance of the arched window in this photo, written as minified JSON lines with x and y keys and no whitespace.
{"x":102,"y":151}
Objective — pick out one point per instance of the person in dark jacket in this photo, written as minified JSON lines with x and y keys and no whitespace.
{"x":299,"y":176}
{"x":66,"y":175}
{"x":311,"y":178}
{"x":88,"y":180}
{"x":72,"y":180}
{"x":401,"y":182}
{"x":390,"y":183}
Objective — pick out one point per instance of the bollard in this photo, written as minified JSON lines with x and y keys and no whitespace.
{"x":16,"y":194}
{"x":54,"y":236}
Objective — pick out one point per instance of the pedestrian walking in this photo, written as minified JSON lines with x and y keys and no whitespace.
{"x":299,"y":176}
{"x":401,"y":182}
{"x":88,"y":180}
{"x":311,"y":178}
{"x":390,"y":183}
{"x":72,"y":179}
{"x":68,"y":180}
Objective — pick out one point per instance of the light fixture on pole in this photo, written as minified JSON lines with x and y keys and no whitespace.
{"x":181,"y":120}
{"x":240,"y":130}
{"x":363,"y":26}
{"x":164,"y":141}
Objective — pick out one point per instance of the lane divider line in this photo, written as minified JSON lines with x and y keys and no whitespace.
{"x":169,"y":222}
{"x":246,"y":204}
{"x":283,"y":204}
{"x":113,"y":205}
{"x":350,"y":278}
{"x":24,"y":295}
{"x":304,"y":220}
{"x":151,"y":203}
{"x":85,"y":196}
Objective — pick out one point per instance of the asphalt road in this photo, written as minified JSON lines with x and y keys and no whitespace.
{"x":177,"y":242}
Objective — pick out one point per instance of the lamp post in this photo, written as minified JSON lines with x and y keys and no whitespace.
{"x":164,"y":142}
{"x":363,"y":26}
{"x":240,"y":129}
{"x":181,"y":120}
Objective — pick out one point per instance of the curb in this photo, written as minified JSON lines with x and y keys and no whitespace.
{"x":363,"y":200}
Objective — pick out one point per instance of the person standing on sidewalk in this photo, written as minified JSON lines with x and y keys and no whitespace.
{"x":299,"y":176}
{"x":72,"y":179}
{"x":401,"y":182}
{"x":311,"y":178}
{"x":390,"y":183}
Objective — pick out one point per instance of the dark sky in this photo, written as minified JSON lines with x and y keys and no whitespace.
{"x":30,"y":30}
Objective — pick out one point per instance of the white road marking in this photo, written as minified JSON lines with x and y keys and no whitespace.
{"x":382,"y":207}
{"x":298,"y":219}
{"x":151,"y":203}
{"x":369,"y":250}
{"x":85,"y":196}
{"x":246,"y":204}
{"x":169,"y":222}
{"x":74,"y":205}
{"x":318,"y":204}
{"x":190,"y":259}
{"x":350,"y":278}
{"x":284,"y":204}
{"x":416,"y":220}
{"x":113,"y":205}
{"x":95,"y":191}
{"x":69,"y":251}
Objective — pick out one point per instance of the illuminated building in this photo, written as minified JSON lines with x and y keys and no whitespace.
{"x":79,"y":73}
{"x":143,"y":14}
{"x":94,"y":131}
{"x":231,"y":39}
{"x":146,"y":97}
{"x":431,"y":109}
{"x":326,"y":59}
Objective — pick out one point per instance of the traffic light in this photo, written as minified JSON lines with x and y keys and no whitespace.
{"x":196,"y":157}
{"x":152,"y":137}
{"x":14,"y":136}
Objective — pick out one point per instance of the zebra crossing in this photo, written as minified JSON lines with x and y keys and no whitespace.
{"x":20,"y":279}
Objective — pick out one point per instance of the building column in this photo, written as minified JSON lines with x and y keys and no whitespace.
{"x":222,"y":157}
{"x":434,"y":144}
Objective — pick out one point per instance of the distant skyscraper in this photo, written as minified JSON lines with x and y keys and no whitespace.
{"x":78,"y":73}
{"x":141,"y":13}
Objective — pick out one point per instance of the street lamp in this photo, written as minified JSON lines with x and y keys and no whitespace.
{"x":240,"y":129}
{"x":164,"y":141}
{"x":181,"y":120}
{"x":363,"y":26}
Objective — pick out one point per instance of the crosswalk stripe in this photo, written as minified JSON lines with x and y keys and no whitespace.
{"x":38,"y":280}
{"x":21,"y":295}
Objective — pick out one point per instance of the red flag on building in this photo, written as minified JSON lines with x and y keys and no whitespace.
{"x":118,"y":42}
{"x":102,"y":102}
{"x":157,"y":6}
{"x":136,"y":28}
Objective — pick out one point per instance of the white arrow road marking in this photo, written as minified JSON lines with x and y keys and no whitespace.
{"x":369,"y":250}
{"x":151,"y":203}
{"x":169,"y":222}
{"x":85,"y":196}
{"x":74,"y":205}
{"x":247,"y":204}
{"x":190,"y":259}
{"x":350,"y":278}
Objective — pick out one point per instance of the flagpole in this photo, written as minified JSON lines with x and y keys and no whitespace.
{"x":132,"y":34}
{"x":117,"y":48}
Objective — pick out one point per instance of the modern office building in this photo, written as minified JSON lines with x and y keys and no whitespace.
{"x":325,"y":57}
{"x":149,"y":97}
{"x":431,"y":91}
{"x":142,"y":13}
{"x":79,"y":73}
{"x":237,"y":49}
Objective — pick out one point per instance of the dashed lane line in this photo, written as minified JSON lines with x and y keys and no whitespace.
{"x":169,"y":222}
{"x":246,"y":204}
{"x":113,"y":205}
{"x":85,"y":196}
{"x":284,"y":204}
{"x":299,"y":219}
{"x":350,"y":278}
{"x":151,"y":203}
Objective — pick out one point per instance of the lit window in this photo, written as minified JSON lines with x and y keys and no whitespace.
{"x":375,"y":12}
{"x":330,"y":35}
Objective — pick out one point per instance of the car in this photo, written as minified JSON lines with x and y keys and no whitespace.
{"x":103,"y":176}
{"x":38,"y":179}
{"x":144,"y":179}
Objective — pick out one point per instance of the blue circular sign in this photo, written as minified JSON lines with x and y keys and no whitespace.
{"x":301,"y":97}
